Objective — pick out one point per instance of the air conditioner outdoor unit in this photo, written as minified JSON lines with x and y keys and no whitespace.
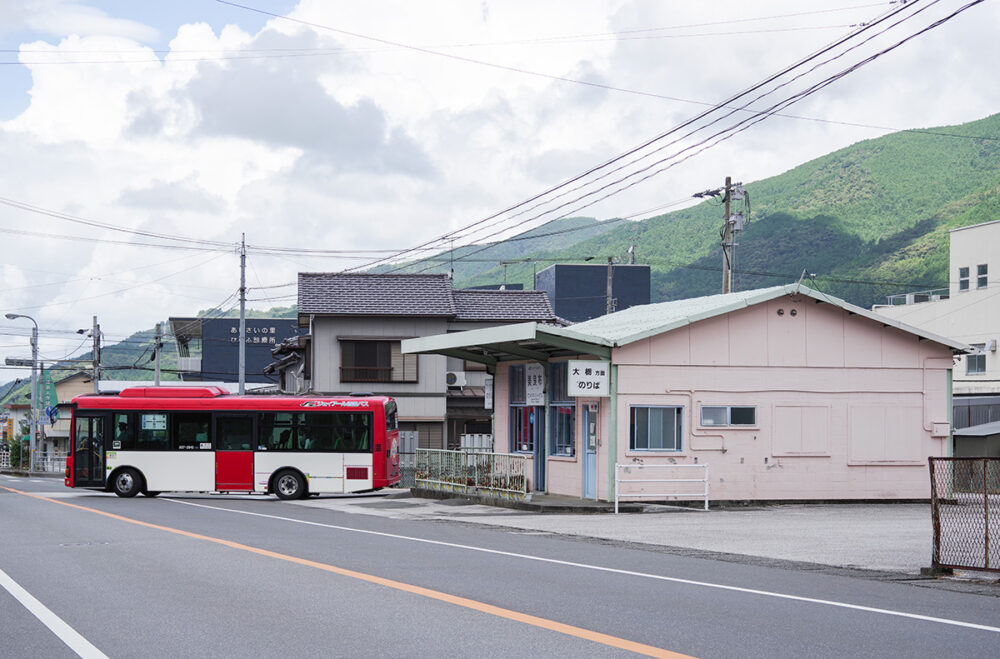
{"x":455,"y":378}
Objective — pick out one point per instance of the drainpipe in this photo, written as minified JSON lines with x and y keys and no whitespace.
{"x":612,"y":431}
{"x":949,"y":449}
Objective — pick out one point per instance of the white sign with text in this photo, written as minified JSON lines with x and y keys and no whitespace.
{"x":587,"y":378}
{"x":534,"y":384}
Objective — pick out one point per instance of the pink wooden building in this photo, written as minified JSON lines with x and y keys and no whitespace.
{"x":784,"y":393}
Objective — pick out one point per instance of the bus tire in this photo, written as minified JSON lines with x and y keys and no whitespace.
{"x":126,"y":483}
{"x":289,"y":484}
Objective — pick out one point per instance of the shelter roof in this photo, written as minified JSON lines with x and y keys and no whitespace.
{"x":598,"y":336}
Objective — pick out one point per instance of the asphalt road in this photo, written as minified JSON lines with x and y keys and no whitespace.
{"x":89,"y":574}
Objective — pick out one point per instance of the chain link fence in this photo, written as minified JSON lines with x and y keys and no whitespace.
{"x":965,"y":512}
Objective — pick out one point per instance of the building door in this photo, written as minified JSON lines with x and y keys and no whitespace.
{"x":88,"y":450}
{"x":590,"y":451}
{"x":234,"y":442}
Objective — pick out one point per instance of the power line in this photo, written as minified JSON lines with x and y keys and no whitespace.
{"x":731,"y":131}
{"x":637,"y":149}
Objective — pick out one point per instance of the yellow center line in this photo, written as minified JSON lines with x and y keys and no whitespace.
{"x":475,"y":605}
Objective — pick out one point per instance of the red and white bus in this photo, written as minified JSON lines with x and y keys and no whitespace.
{"x":203,"y":439}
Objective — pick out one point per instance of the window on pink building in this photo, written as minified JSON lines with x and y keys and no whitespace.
{"x":655,"y":428}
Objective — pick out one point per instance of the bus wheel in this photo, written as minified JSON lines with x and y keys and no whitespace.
{"x":126,"y":483}
{"x":289,"y":485}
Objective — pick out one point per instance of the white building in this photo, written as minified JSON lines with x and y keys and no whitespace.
{"x":967,"y":311}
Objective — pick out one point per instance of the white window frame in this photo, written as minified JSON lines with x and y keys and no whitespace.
{"x":677,"y":424}
{"x":729,"y":416}
{"x":982,"y":275}
{"x":963,"y":279}
{"x":978,"y":358}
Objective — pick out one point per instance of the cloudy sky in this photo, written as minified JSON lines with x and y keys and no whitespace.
{"x":141,"y":139}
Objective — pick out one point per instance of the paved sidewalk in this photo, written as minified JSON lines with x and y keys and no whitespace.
{"x":883,"y":537}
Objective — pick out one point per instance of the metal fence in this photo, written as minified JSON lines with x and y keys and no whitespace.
{"x":473,"y":472}
{"x":632,"y":483}
{"x":965,"y":512}
{"x":407,"y":469}
{"x":51,"y":461}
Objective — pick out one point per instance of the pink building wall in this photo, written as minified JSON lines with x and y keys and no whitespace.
{"x":846,"y":408}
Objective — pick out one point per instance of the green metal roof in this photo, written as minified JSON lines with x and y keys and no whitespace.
{"x":637,"y":323}
{"x":598,"y":336}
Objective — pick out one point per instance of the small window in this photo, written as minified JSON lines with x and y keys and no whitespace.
{"x":981,"y":276}
{"x":561,"y":429}
{"x":728,"y":415}
{"x":391,"y":417}
{"x":562,"y":412}
{"x":975,"y":364}
{"x":376,"y":361}
{"x":963,"y":279}
{"x":517,"y":388}
{"x":655,"y":428}
{"x":522,"y":429}
{"x":124,"y":437}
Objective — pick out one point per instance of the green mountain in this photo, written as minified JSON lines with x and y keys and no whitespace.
{"x":867,"y":221}
{"x":479,"y":264}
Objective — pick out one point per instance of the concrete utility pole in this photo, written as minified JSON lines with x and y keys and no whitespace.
{"x":243,"y":314}
{"x":97,"y":356}
{"x":727,"y":239}
{"x":610,"y":305}
{"x":156,"y":354}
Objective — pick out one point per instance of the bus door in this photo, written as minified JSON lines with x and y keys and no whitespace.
{"x":88,"y":449}
{"x":235,"y":435}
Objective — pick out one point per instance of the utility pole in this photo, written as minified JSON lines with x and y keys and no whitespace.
{"x":156,"y":354}
{"x":610,"y":300}
{"x":34,"y":400}
{"x":97,"y":356}
{"x":727,"y":240}
{"x":243,"y":314}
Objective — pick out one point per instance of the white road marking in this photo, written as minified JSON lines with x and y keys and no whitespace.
{"x":77,"y":643}
{"x":598,"y":568}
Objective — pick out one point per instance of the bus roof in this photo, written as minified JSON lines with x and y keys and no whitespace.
{"x":216,"y":398}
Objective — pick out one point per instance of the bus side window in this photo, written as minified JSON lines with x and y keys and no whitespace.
{"x":123,"y":439}
{"x":189,"y":430}
{"x":152,"y":432}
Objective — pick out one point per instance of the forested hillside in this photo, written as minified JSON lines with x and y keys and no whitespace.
{"x":868,"y":221}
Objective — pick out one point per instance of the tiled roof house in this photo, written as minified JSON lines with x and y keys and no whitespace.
{"x":355,"y":323}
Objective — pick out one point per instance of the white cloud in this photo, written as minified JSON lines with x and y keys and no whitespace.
{"x":318,"y":138}
{"x":68,"y":17}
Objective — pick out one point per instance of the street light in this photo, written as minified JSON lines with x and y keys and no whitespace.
{"x":34,"y":387}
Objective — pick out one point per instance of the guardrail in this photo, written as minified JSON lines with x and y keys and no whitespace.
{"x":472,"y":471}
{"x":623,"y":470}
